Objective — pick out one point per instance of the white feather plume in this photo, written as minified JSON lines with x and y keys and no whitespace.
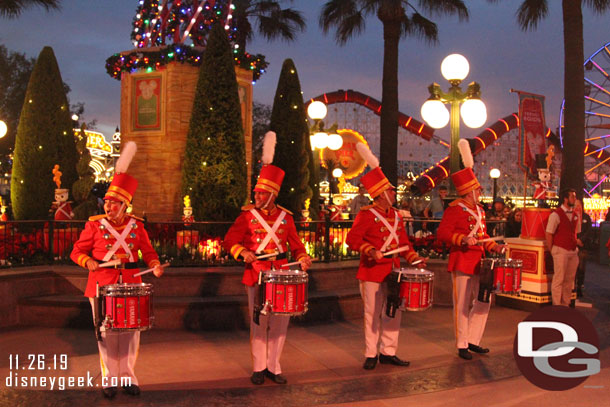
{"x":127,"y":153}
{"x":268,"y":147}
{"x":465,"y":152}
{"x":368,"y":155}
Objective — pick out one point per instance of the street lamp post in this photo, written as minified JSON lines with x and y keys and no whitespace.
{"x":454,"y":68}
{"x":321,"y":139}
{"x":494,"y":174}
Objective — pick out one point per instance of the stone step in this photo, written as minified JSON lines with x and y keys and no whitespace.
{"x":205,"y":282}
{"x":193,"y":313}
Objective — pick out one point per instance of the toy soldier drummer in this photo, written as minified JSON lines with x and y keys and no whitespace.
{"x":463,"y":227}
{"x":264,"y":228}
{"x":117,"y":236}
{"x":63,"y":209}
{"x":379,"y":228}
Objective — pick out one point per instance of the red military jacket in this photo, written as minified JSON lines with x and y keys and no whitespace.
{"x":95,"y":241}
{"x":247,"y":234}
{"x":456,"y":224}
{"x":64,"y":211}
{"x":369,"y":233}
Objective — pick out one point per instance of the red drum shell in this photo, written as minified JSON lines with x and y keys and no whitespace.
{"x":285,"y":292}
{"x":533,"y":223}
{"x":127,"y":307}
{"x":416,"y":288}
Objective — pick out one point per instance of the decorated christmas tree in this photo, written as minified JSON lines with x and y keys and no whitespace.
{"x":44,"y":138}
{"x":292,"y":150}
{"x":214,"y":169}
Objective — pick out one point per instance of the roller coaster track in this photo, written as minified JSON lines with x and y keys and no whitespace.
{"x":439,"y":171}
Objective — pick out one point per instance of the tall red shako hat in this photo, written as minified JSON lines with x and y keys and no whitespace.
{"x":271,"y":177}
{"x":375,"y":180}
{"x":123,"y":185}
{"x":464,"y":180}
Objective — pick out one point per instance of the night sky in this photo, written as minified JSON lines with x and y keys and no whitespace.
{"x":85,"y":32}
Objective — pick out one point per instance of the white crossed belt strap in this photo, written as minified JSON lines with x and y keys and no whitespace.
{"x":61,"y":209}
{"x":393,"y":235}
{"x":477,"y":216}
{"x":271,"y":235}
{"x":120,"y":239}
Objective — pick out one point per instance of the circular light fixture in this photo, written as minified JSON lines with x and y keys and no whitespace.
{"x":3,"y":129}
{"x":337,"y":172}
{"x":455,"y":67}
{"x":474,"y":113}
{"x":435,"y":113}
{"x":317,"y":110}
{"x":335,"y":142}
{"x":494,"y":173}
{"x":75,"y":117}
{"x":321,"y":140}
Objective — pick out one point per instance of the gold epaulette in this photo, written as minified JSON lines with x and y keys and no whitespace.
{"x":457,"y":202}
{"x":367,"y":207}
{"x":135,"y":217}
{"x":247,"y":207}
{"x":97,"y":217}
{"x":284,"y":209}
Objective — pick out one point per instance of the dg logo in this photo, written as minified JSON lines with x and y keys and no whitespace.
{"x":556,"y":348}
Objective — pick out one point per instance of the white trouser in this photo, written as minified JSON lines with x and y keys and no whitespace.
{"x":267,"y":339}
{"x":376,"y":323}
{"x":565,"y":264}
{"x":469,"y":322}
{"x":118,"y":354}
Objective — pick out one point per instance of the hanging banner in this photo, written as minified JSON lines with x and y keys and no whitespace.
{"x":347,"y":157}
{"x":531,"y":131}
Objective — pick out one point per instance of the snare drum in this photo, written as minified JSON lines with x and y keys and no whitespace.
{"x":507,"y":275}
{"x":284,"y":292}
{"x":127,"y":307}
{"x":416,"y":288}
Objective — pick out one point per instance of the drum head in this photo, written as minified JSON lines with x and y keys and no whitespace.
{"x":284,"y":276}
{"x":412,"y":273}
{"x":137,"y":289}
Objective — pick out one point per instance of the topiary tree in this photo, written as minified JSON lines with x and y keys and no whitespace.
{"x":214,"y":170}
{"x":44,"y":138}
{"x":81,"y":190}
{"x":289,"y":123}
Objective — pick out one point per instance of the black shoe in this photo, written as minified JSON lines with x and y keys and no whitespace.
{"x":277,"y":378}
{"x":132,"y":390}
{"x":109,"y":392}
{"x":464,"y":354}
{"x":392,"y":360}
{"x":370,"y":363}
{"x":477,"y":349}
{"x":258,"y":377}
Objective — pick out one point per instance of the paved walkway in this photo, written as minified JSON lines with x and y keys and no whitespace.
{"x":321,"y":362}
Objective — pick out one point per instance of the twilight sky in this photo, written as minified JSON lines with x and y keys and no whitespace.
{"x":85,"y":32}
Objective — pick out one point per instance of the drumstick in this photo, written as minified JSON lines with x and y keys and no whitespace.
{"x":400,"y":249}
{"x":294,"y":263}
{"x":416,"y":262}
{"x":110,"y":263}
{"x":490,"y":239}
{"x":264,"y":256}
{"x":149,"y":270}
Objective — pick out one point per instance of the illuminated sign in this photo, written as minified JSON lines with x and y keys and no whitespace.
{"x":96,"y":142}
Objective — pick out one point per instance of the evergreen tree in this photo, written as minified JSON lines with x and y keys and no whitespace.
{"x":44,"y":138}
{"x":289,"y":123}
{"x":214,"y":171}
{"x":81,"y":190}
{"x":314,"y":182}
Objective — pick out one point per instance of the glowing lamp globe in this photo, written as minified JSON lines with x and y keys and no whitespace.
{"x":455,"y":67}
{"x":474,"y":113}
{"x":316,"y":110}
{"x":494,"y":173}
{"x":321,"y":140}
{"x":335,"y":142}
{"x":435,"y":113}
{"x":74,"y":117}
{"x":3,"y":129}
{"x":337,"y":172}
